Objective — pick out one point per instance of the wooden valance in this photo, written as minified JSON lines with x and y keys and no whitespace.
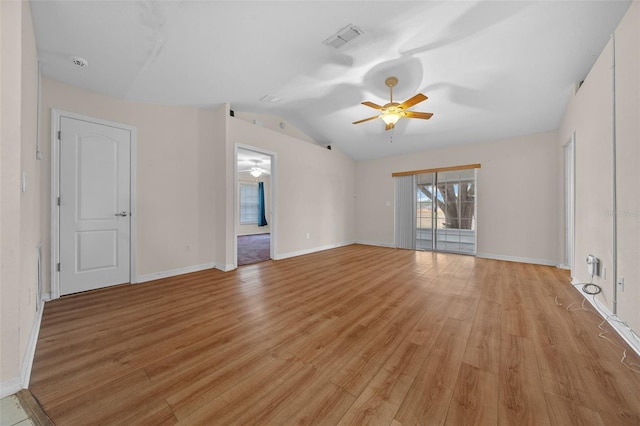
{"x":439,"y":169}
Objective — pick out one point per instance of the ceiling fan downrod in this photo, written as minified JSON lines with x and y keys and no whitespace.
{"x":391,"y":82}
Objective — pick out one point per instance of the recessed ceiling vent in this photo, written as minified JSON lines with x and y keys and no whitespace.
{"x":271,"y":99}
{"x":343,"y":36}
{"x":81,"y":62}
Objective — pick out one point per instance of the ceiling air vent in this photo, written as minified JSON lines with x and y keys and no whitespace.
{"x":343,"y":36}
{"x":271,"y":99}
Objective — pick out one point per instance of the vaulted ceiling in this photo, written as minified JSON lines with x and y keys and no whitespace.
{"x":491,"y":69}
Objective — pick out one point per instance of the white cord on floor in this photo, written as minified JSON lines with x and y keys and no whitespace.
{"x":603,"y":332}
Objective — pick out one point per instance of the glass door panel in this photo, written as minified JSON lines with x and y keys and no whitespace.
{"x":446,"y":211}
{"x":425,"y":188}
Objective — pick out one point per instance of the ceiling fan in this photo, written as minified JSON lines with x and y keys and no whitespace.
{"x":256,"y":170}
{"x":393,"y":111}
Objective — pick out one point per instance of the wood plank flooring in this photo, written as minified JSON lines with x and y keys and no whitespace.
{"x":351,"y":336}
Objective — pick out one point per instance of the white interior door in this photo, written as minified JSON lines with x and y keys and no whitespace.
{"x":95,"y":205}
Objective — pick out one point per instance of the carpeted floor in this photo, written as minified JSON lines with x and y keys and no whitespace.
{"x":253,"y":248}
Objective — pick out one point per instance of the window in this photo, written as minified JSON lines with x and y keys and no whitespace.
{"x":248,"y":203}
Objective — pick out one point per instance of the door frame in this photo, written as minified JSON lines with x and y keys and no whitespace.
{"x":434,"y":208}
{"x":272,"y":198}
{"x":569,"y":148}
{"x":56,"y":116}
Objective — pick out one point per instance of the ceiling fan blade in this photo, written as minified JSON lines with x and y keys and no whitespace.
{"x":415,"y":114}
{"x":412,"y":101}
{"x":372,"y":105}
{"x":389,"y":126}
{"x":366,"y":119}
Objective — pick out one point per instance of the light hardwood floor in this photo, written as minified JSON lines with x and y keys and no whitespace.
{"x":351,"y":336}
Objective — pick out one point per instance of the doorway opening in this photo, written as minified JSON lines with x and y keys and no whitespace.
{"x":254,"y":205}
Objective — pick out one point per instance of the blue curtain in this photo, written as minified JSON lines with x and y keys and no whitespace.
{"x":262,"y":220}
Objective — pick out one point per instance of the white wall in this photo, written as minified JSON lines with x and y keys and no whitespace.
{"x":314,"y":190}
{"x":19,"y":211}
{"x":175,"y":174}
{"x":517,"y":195}
{"x":589,"y":114}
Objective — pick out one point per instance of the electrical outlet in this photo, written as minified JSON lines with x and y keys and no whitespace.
{"x":308,"y":235}
{"x":621,"y":283}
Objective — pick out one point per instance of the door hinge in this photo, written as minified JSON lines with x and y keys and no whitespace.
{"x":59,"y":134}
{"x":58,"y":267}
{"x":58,"y":200}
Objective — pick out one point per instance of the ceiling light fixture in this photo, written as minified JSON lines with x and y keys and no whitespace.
{"x":391,"y":117}
{"x":393,"y":111}
{"x":81,"y":62}
{"x":256,"y":172}
{"x":343,"y":36}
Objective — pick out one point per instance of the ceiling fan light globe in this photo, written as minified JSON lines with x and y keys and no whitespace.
{"x":256,"y":171}
{"x":390,"y":117}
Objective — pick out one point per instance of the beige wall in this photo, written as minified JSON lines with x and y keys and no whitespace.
{"x":175,"y":151}
{"x":272,"y":122}
{"x":628,"y":163}
{"x":19,"y":220}
{"x":314,"y":189}
{"x":185,"y":181}
{"x":589,"y":115}
{"x":222,"y":169}
{"x":250,"y":229}
{"x":517,"y":195}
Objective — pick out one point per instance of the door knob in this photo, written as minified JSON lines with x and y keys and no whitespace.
{"x":123,"y":214}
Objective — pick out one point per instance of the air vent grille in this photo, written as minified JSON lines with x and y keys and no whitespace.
{"x":271,"y":99}
{"x":343,"y":36}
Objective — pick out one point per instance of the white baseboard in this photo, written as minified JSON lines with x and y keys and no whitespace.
{"x":174,"y":272}
{"x":18,"y":383}
{"x":311,"y":250}
{"x":517,"y":259}
{"x":619,"y":327}
{"x":225,"y":267}
{"x":30,"y":353}
{"x":374,"y":243}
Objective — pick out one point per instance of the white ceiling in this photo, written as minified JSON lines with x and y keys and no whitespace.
{"x":490,"y":69}
{"x":247,"y":159}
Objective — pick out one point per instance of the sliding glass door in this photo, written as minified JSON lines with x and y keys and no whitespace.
{"x":427,"y":211}
{"x":445,"y":211}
